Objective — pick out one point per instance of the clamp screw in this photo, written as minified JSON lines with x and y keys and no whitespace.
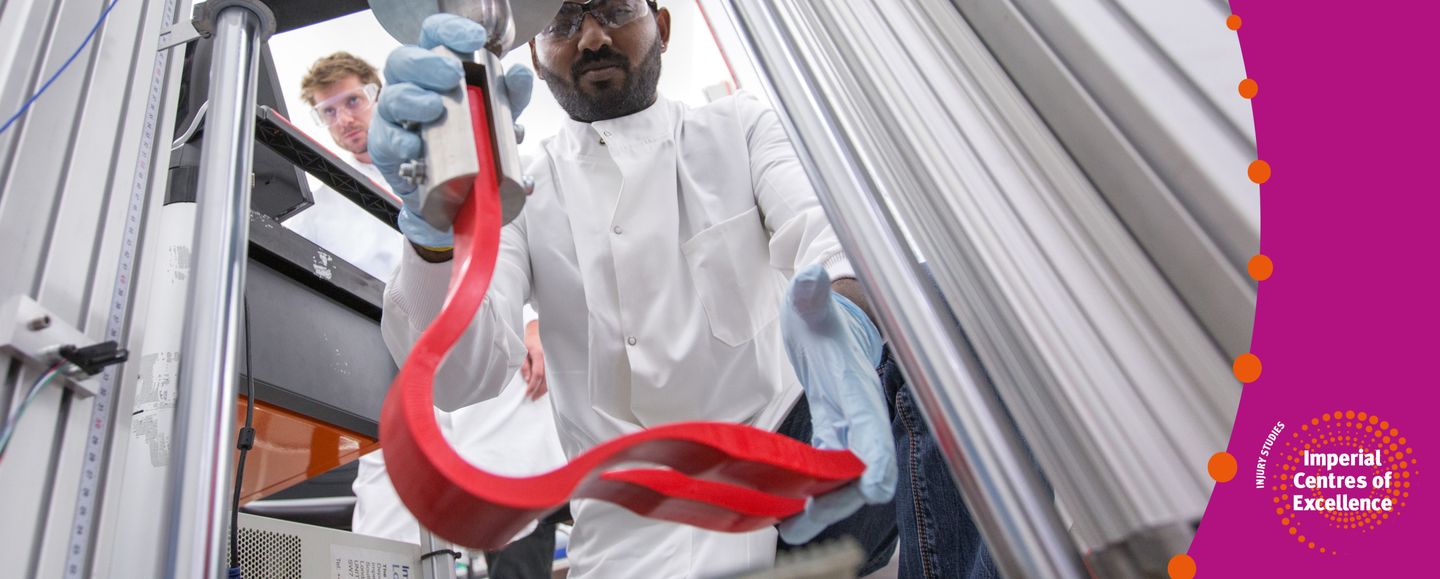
{"x":413,"y":172}
{"x":39,"y":323}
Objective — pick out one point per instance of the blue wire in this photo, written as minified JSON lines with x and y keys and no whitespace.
{"x":43,"y":87}
{"x":20,"y":411}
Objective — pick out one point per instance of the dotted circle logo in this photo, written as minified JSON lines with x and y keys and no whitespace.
{"x":1377,"y":466}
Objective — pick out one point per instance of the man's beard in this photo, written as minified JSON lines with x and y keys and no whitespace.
{"x":635,"y":95}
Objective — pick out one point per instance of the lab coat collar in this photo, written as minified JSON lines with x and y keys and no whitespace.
{"x":654,"y":123}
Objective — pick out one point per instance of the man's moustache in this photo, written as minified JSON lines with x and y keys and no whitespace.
{"x":593,"y":63}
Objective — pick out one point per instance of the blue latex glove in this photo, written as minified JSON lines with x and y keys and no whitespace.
{"x":413,"y":76}
{"x":835,"y":349}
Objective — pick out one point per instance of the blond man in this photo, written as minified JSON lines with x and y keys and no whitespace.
{"x":341,"y":90}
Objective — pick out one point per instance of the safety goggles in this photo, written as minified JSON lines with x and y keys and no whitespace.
{"x":609,"y":13}
{"x":326,"y":112}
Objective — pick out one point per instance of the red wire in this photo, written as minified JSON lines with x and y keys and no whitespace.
{"x":725,"y":57}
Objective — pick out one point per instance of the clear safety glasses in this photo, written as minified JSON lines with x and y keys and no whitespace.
{"x":609,"y":13}
{"x":328,"y":111}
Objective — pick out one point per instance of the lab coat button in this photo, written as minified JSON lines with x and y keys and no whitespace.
{"x":631,"y":340}
{"x":617,"y":230}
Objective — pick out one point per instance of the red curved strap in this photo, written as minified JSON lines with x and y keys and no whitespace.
{"x":719,"y":476}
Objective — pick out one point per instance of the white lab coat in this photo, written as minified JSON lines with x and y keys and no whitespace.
{"x":656,"y":249}
{"x":341,"y":227}
{"x":509,"y":435}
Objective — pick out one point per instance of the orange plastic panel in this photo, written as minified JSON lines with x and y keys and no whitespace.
{"x":290,"y":448}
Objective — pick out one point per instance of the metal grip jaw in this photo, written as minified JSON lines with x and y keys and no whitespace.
{"x":447,"y":174}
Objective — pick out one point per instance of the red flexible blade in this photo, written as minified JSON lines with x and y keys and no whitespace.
{"x":718,"y":476}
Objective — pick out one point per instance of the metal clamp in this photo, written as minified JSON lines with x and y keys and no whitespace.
{"x":204,"y":15}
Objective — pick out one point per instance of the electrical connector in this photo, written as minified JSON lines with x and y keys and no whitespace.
{"x":93,"y":359}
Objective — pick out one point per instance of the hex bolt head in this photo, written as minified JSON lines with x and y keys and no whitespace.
{"x":413,"y":172}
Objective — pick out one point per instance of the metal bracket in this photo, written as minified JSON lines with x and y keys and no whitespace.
{"x":204,"y":14}
{"x":179,"y":33}
{"x":32,"y":333}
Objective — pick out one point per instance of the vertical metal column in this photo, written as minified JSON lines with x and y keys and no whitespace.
{"x":199,"y":488}
{"x":1001,"y":487}
{"x":907,"y":119}
{"x":437,"y":565}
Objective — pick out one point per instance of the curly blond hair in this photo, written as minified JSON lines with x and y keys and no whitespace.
{"x":332,"y":69}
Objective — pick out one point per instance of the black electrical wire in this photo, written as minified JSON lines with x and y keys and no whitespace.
{"x":245,"y":440}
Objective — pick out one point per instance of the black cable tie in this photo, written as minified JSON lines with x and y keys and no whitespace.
{"x":450,"y":552}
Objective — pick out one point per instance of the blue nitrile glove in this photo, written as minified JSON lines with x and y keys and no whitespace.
{"x":413,"y":76}
{"x":835,"y":349}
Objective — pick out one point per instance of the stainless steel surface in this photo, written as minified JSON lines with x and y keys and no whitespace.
{"x":1145,"y":101}
{"x":448,"y":170}
{"x":493,"y":14}
{"x":1001,"y":488}
{"x":504,"y":140}
{"x":200,"y":476}
{"x":447,"y":174}
{"x":1145,"y":553}
{"x":440,"y":566}
{"x":1100,"y":359}
{"x":526,"y":18}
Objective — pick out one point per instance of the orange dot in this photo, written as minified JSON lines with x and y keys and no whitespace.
{"x":1233,"y":22}
{"x":1248,"y":88}
{"x":1293,"y":530}
{"x":1181,"y":567}
{"x":1259,"y":171}
{"x":1261,"y":267}
{"x":1222,"y":467}
{"x":1247,"y":367}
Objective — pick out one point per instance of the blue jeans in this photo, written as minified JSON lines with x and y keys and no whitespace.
{"x":936,"y":536}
